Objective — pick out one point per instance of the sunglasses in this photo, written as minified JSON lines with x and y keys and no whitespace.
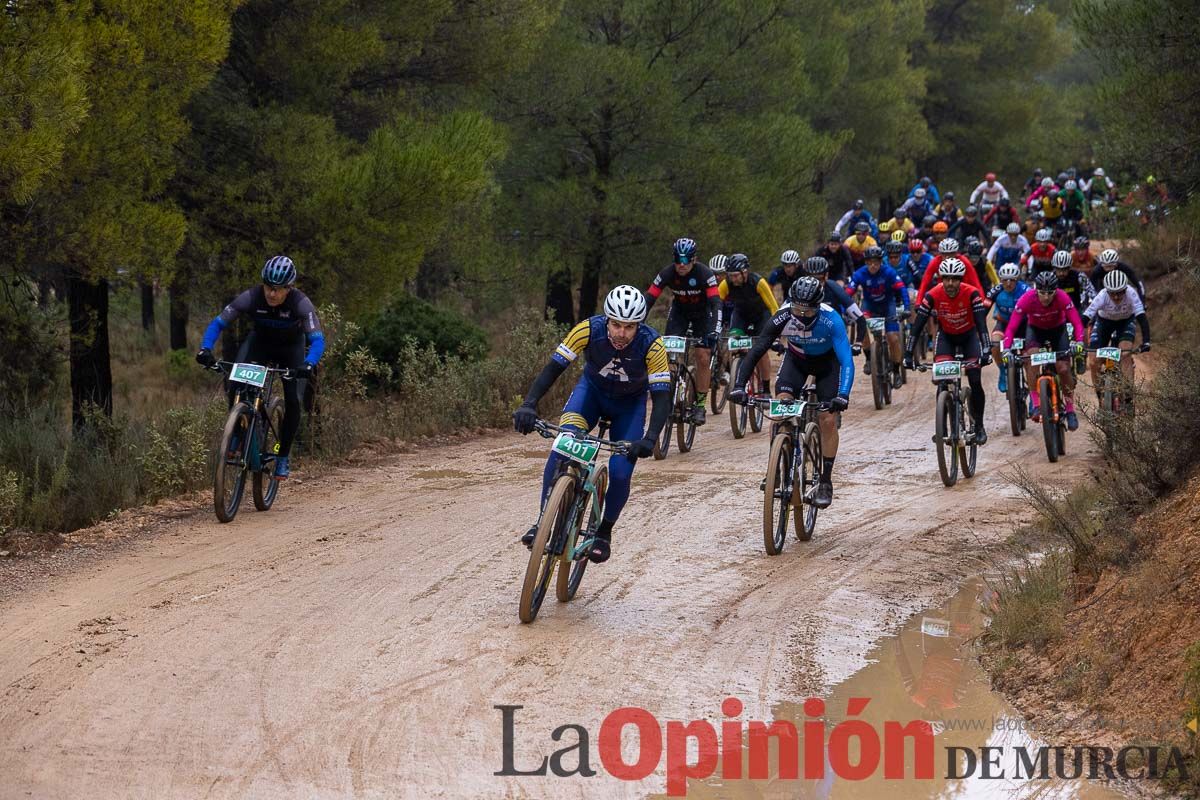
{"x":804,"y":311}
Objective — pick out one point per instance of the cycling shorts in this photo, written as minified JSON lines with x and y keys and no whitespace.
{"x":1111,"y":332}
{"x":888,"y":312}
{"x":794,"y":372}
{"x":686,"y":323}
{"x":749,"y":325}
{"x":1056,"y":337}
{"x":957,"y":347}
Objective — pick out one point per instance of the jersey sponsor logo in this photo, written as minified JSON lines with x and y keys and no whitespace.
{"x":615,"y":371}
{"x":565,"y":352}
{"x":691,"y":281}
{"x":660,"y":377}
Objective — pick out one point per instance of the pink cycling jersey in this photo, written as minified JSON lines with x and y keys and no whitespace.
{"x":1029,"y":308}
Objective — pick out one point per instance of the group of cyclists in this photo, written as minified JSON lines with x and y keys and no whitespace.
{"x":939,"y":268}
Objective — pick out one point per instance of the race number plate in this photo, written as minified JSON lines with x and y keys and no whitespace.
{"x":876,"y":324}
{"x":582,"y":451}
{"x":779,"y":408}
{"x":1018,"y":344}
{"x":932,"y":626}
{"x":1111,"y":353}
{"x":947,"y":370}
{"x":252,"y":374}
{"x":674,"y":344}
{"x":739,"y":343}
{"x":1038,"y":359}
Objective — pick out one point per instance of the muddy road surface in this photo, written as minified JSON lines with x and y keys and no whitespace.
{"x":356,"y":641}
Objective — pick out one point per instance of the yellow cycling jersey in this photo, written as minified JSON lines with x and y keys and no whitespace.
{"x":859,"y":247}
{"x":749,"y":294}
{"x":639,"y":365}
{"x":890,"y":225}
{"x":1052,"y":207}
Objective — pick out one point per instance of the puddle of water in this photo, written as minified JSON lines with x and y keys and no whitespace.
{"x":926,"y":672}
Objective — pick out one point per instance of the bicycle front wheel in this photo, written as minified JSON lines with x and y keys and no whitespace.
{"x":811,"y":466}
{"x":722,"y":383}
{"x":777,"y":493}
{"x":663,"y":445}
{"x":1049,"y":425}
{"x":266,"y":487}
{"x":551,"y":537}
{"x":590,"y":512}
{"x":229,"y":472}
{"x":945,"y":434}
{"x":685,"y":433}
{"x":877,"y":376}
{"x":968,"y":454}
{"x":1016,"y":401}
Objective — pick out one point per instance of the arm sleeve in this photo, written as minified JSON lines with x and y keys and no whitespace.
{"x":660,"y":409}
{"x":1074,"y":319}
{"x":316,"y":348}
{"x":1015,"y":322}
{"x":841,"y":223}
{"x":768,"y":297}
{"x":212,"y":333}
{"x":991,"y":253}
{"x":240,"y":305}
{"x":1144,"y":324}
{"x":900,"y":291}
{"x":980,"y":313}
{"x":841,"y":348}
{"x":543,"y":382}
{"x":655,"y":289}
{"x":714,"y":311}
{"x":926,"y":279}
{"x":760,"y":347}
{"x":723,"y":290}
{"x":923,"y":310}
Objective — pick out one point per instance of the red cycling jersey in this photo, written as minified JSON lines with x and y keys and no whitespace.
{"x":931,"y":271}
{"x":1039,"y":251}
{"x":955,"y":315}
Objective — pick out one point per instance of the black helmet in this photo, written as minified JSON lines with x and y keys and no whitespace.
{"x":873,"y":252}
{"x":975,"y":248}
{"x":816,"y":265}
{"x":1046,"y":281}
{"x":948,"y":196}
{"x":926,"y":181}
{"x":858,"y":203}
{"x":928,"y":221}
{"x":861,"y":227}
{"x":1005,"y":202}
{"x":279,"y":271}
{"x":836,"y":236}
{"x":737,"y":263}
{"x":1081,"y":242}
{"x":972,"y":210}
{"x":894,"y":246}
{"x":806,"y":292}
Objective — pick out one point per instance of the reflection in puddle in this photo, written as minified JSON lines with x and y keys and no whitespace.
{"x":927,"y":672}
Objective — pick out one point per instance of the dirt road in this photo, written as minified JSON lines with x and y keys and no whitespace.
{"x":355,"y":641}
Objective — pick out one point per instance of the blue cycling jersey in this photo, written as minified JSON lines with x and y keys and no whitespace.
{"x":880,"y":289}
{"x":904,"y":269}
{"x":1006,"y":301}
{"x":1007,"y":255}
{"x":828,"y":333}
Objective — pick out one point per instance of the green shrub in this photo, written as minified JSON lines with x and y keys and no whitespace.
{"x":411,"y":322}
{"x":31,"y":354}
{"x":1030,"y":603}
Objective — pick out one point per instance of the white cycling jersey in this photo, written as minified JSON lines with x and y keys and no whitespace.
{"x":1105,"y":307}
{"x":990,"y":194}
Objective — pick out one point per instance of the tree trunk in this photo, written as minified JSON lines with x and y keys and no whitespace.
{"x":91,"y":370}
{"x":559,"y":306}
{"x":148,"y":307}
{"x":178,"y":313}
{"x":593,"y":262}
{"x":589,"y":287}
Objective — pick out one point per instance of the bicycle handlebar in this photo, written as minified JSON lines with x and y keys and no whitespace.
{"x":548,"y":430}
{"x":227,"y":366}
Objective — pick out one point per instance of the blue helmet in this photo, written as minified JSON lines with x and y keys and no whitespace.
{"x":279,"y":271}
{"x":685,"y":250}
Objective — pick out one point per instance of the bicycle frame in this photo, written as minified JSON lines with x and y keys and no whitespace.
{"x":259,"y":399}
{"x":585,"y":488}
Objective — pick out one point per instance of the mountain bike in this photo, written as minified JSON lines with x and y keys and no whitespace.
{"x":741,"y":416}
{"x":794,"y":465}
{"x":881,"y":363}
{"x":954,"y":427}
{"x":573,"y":510}
{"x":1113,"y":387}
{"x":250,"y":440}
{"x":683,"y":391}
{"x":1018,"y":392}
{"x":722,"y":377}
{"x":1050,"y":401}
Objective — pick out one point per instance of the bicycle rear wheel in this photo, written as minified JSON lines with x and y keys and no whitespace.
{"x":663,"y":445}
{"x":229,"y":472}
{"x":739,"y":415}
{"x":722,"y":383}
{"x":810,"y":476}
{"x":877,"y":378}
{"x":685,"y":432}
{"x":266,"y":487}
{"x":885,"y":364}
{"x":777,"y":493}
{"x":551,"y":534}
{"x":968,"y":454}
{"x":755,"y":415}
{"x":1049,"y":426}
{"x":591,"y":511}
{"x":945,"y":433}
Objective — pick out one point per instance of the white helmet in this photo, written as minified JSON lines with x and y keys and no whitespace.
{"x":919,"y":194}
{"x":1043,"y":235}
{"x":717,"y":263}
{"x":952,"y":268}
{"x":789,"y":257}
{"x":1108,"y":256}
{"x":1009,"y":272}
{"x":1072,"y":186}
{"x":948,"y":246}
{"x":1099,"y":172}
{"x":1013,"y":229}
{"x":1061,"y":260}
{"x":625,"y":304}
{"x":1116,"y":281}
{"x":1047,"y":183}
